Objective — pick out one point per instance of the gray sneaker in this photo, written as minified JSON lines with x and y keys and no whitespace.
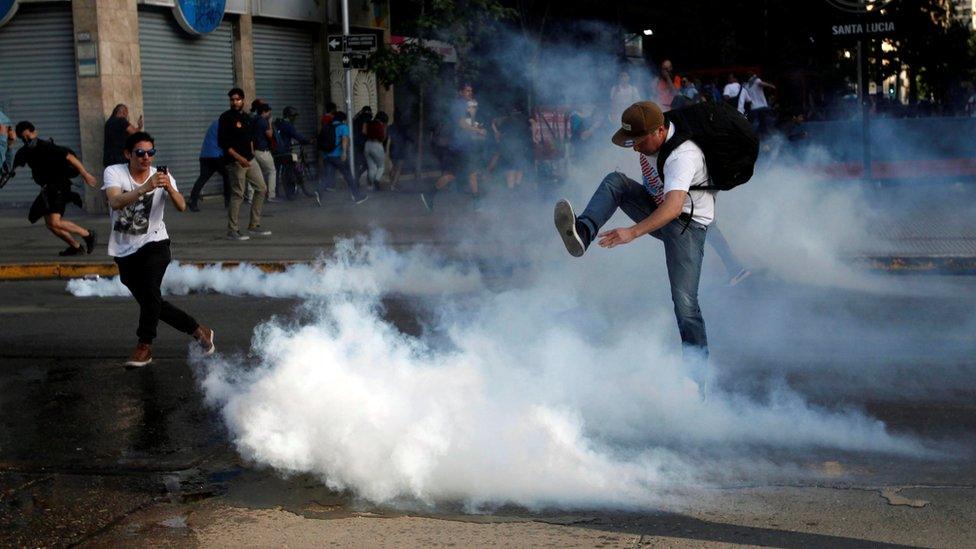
{"x":234,"y":235}
{"x":565,"y":219}
{"x":258,"y":231}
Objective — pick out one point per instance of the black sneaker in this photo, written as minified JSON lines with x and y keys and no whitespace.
{"x":71,"y":250}
{"x":566,"y":224}
{"x":361,"y":199}
{"x":90,"y":241}
{"x":428,"y":201}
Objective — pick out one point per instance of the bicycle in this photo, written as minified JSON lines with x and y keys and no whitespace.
{"x":294,"y":172}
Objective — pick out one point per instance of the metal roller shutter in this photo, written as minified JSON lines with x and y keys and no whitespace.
{"x":38,"y":83}
{"x":184,"y":88}
{"x":284,"y":71}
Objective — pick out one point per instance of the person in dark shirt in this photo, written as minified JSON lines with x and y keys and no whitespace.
{"x":236,"y":138}
{"x":263,"y":145}
{"x":117,"y":129}
{"x":52,"y":167}
{"x":514,"y":134}
{"x":291,"y":179}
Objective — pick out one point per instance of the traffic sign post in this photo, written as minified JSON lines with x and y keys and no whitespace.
{"x":355,"y":49}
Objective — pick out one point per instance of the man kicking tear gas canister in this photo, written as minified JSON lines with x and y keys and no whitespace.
{"x":675,"y":208}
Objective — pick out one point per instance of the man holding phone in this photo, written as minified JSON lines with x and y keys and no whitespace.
{"x":137,"y":194}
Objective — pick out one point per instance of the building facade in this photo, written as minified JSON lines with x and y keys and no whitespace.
{"x":66,"y":64}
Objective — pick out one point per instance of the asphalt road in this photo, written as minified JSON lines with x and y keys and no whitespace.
{"x":93,"y":454}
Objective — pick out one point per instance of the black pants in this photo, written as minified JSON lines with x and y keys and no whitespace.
{"x":142,"y":273}
{"x":208,"y":167}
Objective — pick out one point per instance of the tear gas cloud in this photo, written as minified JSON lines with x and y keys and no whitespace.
{"x":419,"y":270}
{"x":565,"y":388}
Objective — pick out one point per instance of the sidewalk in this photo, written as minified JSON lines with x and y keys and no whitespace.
{"x":939,"y":243}
{"x":300,"y":232}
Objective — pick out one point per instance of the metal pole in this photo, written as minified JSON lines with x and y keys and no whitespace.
{"x":865,"y":108}
{"x":349,"y":113}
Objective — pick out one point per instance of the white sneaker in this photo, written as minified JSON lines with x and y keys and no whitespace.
{"x":739,"y":277}
{"x":234,"y":235}
{"x":565,"y":220}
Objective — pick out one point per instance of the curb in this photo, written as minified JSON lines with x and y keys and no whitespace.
{"x":66,"y":271}
{"x":935,"y":265}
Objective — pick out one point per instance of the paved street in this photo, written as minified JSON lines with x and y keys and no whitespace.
{"x":94,"y":454}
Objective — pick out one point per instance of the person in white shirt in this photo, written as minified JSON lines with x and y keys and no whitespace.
{"x":760,"y":114}
{"x":673,"y":211}
{"x":622,"y":95}
{"x":137,"y":193}
{"x":736,"y":94}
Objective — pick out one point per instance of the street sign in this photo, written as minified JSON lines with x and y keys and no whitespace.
{"x":352,"y":42}
{"x":360,"y":42}
{"x":868,"y":28}
{"x":337,"y":42}
{"x":354,"y":60}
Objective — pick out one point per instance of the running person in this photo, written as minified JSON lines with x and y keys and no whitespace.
{"x":137,"y":194}
{"x":52,"y":167}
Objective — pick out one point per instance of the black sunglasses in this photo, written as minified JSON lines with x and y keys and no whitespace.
{"x":143,"y":152}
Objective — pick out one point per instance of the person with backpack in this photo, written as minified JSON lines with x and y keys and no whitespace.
{"x":53,"y":167}
{"x":697,"y":150}
{"x":285,"y":133}
{"x":333,"y":143}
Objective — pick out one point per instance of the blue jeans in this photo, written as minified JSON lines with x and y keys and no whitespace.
{"x":327,"y":181}
{"x":683,"y":250}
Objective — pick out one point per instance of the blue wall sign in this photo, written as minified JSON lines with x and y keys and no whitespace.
{"x":198,"y":17}
{"x":7,"y":10}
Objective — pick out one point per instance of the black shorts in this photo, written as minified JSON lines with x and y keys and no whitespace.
{"x":52,"y":202}
{"x":450,"y":160}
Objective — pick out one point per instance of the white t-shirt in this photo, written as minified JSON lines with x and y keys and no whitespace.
{"x":732,"y":90}
{"x":139,"y":223}
{"x":620,"y":99}
{"x":684,"y":168}
{"x":756,"y":93}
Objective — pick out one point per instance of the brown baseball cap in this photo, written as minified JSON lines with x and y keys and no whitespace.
{"x":638,"y":120}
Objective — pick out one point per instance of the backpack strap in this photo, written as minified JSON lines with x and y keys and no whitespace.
{"x":669,"y":146}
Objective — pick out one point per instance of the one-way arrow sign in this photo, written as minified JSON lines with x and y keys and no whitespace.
{"x":337,"y":42}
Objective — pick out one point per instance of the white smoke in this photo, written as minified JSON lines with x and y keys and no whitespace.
{"x":546,"y":395}
{"x":362,"y":269}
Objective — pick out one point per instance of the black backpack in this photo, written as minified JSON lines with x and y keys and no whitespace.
{"x":327,"y":138}
{"x":724,"y":135}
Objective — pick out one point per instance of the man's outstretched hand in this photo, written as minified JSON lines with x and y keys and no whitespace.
{"x":616,"y":237}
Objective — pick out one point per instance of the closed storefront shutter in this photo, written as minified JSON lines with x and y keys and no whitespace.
{"x":37,"y":83}
{"x":184,"y":88}
{"x":284,"y":71}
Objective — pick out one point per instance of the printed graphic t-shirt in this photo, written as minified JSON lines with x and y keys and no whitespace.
{"x":139,"y":223}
